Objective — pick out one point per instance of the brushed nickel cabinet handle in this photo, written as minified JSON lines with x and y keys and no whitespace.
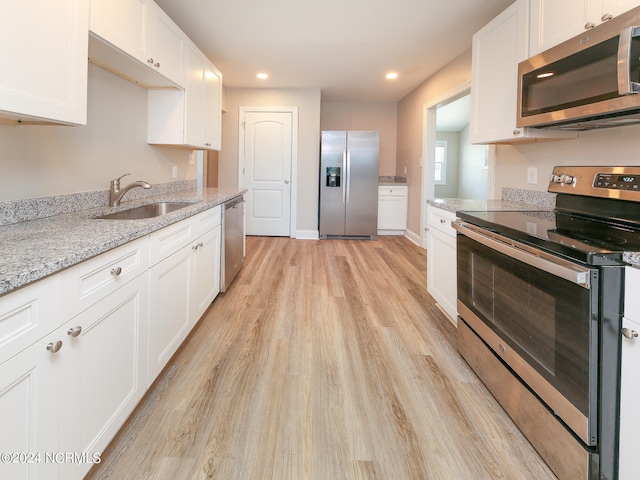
{"x":606,"y":16}
{"x":589,"y":25}
{"x":54,"y":347}
{"x":74,"y":331}
{"x":628,"y":333}
{"x":116,"y":271}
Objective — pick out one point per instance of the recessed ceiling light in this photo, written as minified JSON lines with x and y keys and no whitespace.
{"x":262,"y":76}
{"x":391,"y":76}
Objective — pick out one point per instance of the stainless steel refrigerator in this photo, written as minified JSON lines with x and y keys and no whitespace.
{"x":349,"y":184}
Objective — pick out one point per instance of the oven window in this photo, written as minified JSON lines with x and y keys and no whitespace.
{"x":544,"y":318}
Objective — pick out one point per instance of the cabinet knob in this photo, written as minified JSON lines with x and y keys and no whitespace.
{"x":150,"y":61}
{"x":54,"y":347}
{"x":516,"y":131}
{"x":606,"y":16}
{"x":442,"y":220}
{"x":589,"y":25}
{"x":75,"y":331}
{"x":197,"y":246}
{"x":116,"y":271}
{"x":157,"y":65}
{"x":628,"y":333}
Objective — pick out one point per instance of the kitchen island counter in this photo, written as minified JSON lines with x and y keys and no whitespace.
{"x":34,"y":249}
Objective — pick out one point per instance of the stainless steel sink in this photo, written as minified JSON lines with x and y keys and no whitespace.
{"x":146,"y":211}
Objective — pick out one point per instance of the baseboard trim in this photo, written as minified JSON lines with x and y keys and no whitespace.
{"x":307,"y":235}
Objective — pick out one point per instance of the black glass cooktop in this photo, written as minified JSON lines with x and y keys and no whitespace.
{"x":593,"y":241}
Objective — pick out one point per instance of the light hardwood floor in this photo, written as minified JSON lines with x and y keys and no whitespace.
{"x":324,"y":360}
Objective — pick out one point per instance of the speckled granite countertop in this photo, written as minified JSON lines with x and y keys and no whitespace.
{"x":387,"y":180}
{"x":513,"y":200}
{"x":458,"y":204}
{"x":33,"y":249}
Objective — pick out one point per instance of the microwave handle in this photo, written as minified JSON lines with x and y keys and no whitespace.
{"x":625,"y":85}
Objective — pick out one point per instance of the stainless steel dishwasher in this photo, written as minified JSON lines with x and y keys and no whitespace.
{"x":232,"y":240}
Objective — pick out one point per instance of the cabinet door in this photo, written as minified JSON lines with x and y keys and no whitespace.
{"x":203,"y":101}
{"x":44,"y":61}
{"x":213,"y":106}
{"x":104,"y":372}
{"x":29,"y":412}
{"x":123,"y":23}
{"x":206,"y":272}
{"x":441,"y":270}
{"x":616,"y":7}
{"x":195,"y":106}
{"x":392,"y":212}
{"x":553,"y":22}
{"x":629,"y":395}
{"x":168,"y":46}
{"x":169,"y":309}
{"x":497,"y":49}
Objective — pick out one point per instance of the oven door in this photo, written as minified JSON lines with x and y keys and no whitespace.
{"x":539,"y":314}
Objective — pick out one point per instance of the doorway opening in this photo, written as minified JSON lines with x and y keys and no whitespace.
{"x":452,"y":166}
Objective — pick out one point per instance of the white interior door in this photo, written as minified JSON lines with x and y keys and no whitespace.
{"x":268,"y":154}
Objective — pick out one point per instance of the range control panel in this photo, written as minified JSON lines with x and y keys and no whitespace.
{"x":617,"y":182}
{"x":622,"y":183}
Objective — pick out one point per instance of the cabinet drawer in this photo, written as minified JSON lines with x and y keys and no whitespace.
{"x":393,"y":190}
{"x":28,"y":314}
{"x":169,"y":240}
{"x":90,"y":281}
{"x":206,"y":221}
{"x":631,"y":300}
{"x":441,"y":220}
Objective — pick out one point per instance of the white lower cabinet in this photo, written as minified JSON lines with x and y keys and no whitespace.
{"x":630,"y":378}
{"x":182,"y":284}
{"x":441,"y":260}
{"x":392,"y":209}
{"x":170,"y":284}
{"x":78,"y":349}
{"x":105,"y":376}
{"x":206,"y":272}
{"x":29,"y":412}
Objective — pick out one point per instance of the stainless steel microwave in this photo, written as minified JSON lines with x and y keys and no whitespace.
{"x":589,"y":81}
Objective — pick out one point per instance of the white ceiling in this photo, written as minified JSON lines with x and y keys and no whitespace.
{"x":343,"y":47}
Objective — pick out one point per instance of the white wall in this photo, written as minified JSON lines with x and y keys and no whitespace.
{"x":382,"y":117}
{"x":611,"y":146}
{"x":450,"y":189}
{"x":472,"y":181}
{"x":38,"y":161}
{"x":308,"y":103}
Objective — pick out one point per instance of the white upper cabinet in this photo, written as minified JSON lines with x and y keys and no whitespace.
{"x":193,"y":117}
{"x":43,"y":72}
{"x":553,"y":22}
{"x":136,"y":39}
{"x":496,"y":51}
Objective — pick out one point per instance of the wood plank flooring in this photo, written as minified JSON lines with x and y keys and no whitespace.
{"x":324,"y":360}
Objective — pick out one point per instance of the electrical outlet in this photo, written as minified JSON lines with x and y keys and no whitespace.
{"x":532,"y":176}
{"x":405,"y":170}
{"x":174,"y":172}
{"x":192,"y":158}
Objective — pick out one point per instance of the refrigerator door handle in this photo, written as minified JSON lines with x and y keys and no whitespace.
{"x":348,"y":188}
{"x":344,"y":173}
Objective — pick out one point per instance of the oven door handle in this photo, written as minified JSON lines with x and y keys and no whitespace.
{"x":526,"y":254}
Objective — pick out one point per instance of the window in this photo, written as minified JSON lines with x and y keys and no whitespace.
{"x":441,"y":163}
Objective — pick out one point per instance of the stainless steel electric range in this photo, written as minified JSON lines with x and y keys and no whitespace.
{"x":540,"y":304}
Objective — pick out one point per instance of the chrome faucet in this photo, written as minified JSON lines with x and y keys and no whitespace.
{"x":115,"y":194}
